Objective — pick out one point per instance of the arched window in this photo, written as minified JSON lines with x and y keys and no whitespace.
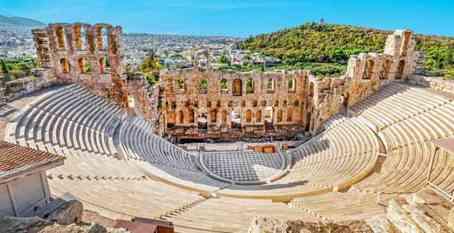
{"x":203,"y":86}
{"x":258,"y":116}
{"x":254,"y":103}
{"x":248,"y":116}
{"x":296,"y":103}
{"x":179,"y":83}
{"x":84,"y":66}
{"x":64,"y":65}
{"x":180,"y":116}
{"x":237,"y":87}
{"x":270,"y":85}
{"x":191,"y":116}
{"x":290,"y":115}
{"x":213,"y":116}
{"x":280,"y":115}
{"x":369,"y":69}
{"x":386,"y":69}
{"x":171,"y":118}
{"x":224,"y":86}
{"x":291,"y":85}
{"x":60,"y":33}
{"x":400,"y":69}
{"x":224,"y":116}
{"x":249,"y":86}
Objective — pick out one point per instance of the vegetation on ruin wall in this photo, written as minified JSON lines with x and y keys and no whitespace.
{"x":334,"y":44}
{"x":17,"y":68}
{"x":150,"y":68}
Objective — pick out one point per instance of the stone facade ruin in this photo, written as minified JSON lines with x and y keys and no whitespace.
{"x":230,"y":105}
{"x":90,"y":55}
{"x":193,"y":104}
{"x":278,"y":104}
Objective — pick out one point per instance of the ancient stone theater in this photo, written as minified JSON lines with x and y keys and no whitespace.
{"x":377,"y":152}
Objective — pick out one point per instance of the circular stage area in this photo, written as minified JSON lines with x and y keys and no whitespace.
{"x":247,"y":168}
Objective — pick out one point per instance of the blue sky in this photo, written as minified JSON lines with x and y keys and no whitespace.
{"x":239,"y":17}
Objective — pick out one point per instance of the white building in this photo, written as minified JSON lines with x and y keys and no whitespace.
{"x":23,"y":183}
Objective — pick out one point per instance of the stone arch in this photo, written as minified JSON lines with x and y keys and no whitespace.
{"x":248,"y":116}
{"x":290,"y":115}
{"x":224,"y":116}
{"x":64,"y":65}
{"x":280,"y":115}
{"x":237,"y":87}
{"x":369,"y":69}
{"x":60,"y":34}
{"x":386,"y":69}
{"x":191,"y":116}
{"x":179,"y":84}
{"x":223,"y":85}
{"x":250,"y":87}
{"x":235,"y":119}
{"x":203,"y":86}
{"x":270,"y":84}
{"x":213,"y":116}
{"x":171,"y":119}
{"x":84,"y":65}
{"x":400,"y":69}
{"x":180,"y":117}
{"x":258,"y":116}
{"x":291,"y":84}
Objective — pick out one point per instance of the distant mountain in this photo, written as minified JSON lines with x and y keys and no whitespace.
{"x":19,"y":22}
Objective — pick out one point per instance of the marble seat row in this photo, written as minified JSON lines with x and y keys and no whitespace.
{"x":396,"y":103}
{"x":72,"y":121}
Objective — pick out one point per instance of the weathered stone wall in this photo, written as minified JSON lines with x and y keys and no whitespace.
{"x":435,"y":83}
{"x":86,"y":54}
{"x":365,"y":74}
{"x":213,"y":103}
{"x":195,"y":104}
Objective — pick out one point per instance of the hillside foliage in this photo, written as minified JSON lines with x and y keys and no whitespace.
{"x":334,"y":44}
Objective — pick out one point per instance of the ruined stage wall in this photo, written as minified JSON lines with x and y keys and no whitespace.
{"x":214,"y":104}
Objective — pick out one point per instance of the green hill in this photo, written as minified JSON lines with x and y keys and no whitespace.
{"x":329,"y":47}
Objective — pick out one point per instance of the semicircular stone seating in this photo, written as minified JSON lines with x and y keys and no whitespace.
{"x":111,"y":155}
{"x":410,"y":120}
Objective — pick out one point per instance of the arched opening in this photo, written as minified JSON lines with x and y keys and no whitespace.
{"x":202,"y":122}
{"x":179,"y":83}
{"x":102,"y":38}
{"x":290,"y":115}
{"x":280,"y":115}
{"x":237,"y":87}
{"x":248,"y":116}
{"x":258,"y":116}
{"x":235,"y":119}
{"x":249,"y":86}
{"x":224,"y":86}
{"x":270,"y":85}
{"x":180,"y":117}
{"x":386,"y":69}
{"x":224,"y":116}
{"x":291,"y":85}
{"x":268,"y":117}
{"x":369,"y":69}
{"x":64,"y":65}
{"x":213,"y":116}
{"x":171,"y":117}
{"x":255,"y":103}
{"x":400,"y":70}
{"x":84,"y":66}
{"x":60,"y":33}
{"x":191,"y":116}
{"x":203,"y":86}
